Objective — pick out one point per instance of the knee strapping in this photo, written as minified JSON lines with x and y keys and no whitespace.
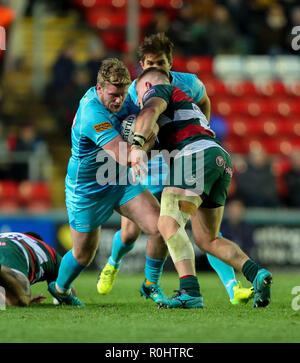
{"x":179,"y":244}
{"x":180,"y":207}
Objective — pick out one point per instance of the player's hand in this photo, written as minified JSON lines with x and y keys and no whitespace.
{"x":137,"y":159}
{"x":37,"y":299}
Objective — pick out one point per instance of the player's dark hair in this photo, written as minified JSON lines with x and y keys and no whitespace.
{"x":35,"y":235}
{"x":156,"y":44}
{"x":152,"y":69}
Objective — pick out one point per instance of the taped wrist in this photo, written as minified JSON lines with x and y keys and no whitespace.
{"x":138,"y":140}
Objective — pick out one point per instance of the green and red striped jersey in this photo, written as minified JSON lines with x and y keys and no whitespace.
{"x":182,"y":122}
{"x":41,"y":259}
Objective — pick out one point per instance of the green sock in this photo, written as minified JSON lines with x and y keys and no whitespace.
{"x":250,"y":269}
{"x":190,"y":284}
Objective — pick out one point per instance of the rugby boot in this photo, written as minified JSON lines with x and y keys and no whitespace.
{"x":262,"y":290}
{"x":106,"y":279}
{"x":241,"y":295}
{"x":69,"y":299}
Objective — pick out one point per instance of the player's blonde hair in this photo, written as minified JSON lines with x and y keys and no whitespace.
{"x":113,"y":71}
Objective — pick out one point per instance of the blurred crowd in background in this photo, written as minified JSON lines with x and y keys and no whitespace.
{"x":39,"y":122}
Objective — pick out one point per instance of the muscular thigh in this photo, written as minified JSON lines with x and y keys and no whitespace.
{"x":206,"y":223}
{"x":142,"y":210}
{"x":129,"y":230}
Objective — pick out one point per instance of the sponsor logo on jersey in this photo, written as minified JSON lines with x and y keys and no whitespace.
{"x":103,"y":126}
{"x":229,"y":171}
{"x":220,"y":161}
{"x":148,"y":93}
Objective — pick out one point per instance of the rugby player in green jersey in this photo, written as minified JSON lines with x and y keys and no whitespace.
{"x":26,"y":259}
{"x":196,"y":189}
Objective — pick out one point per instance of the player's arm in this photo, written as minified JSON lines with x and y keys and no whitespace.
{"x":204,"y":105}
{"x":118,"y":149}
{"x":17,"y":288}
{"x":101,"y":131}
{"x":200,"y":96}
{"x":146,"y":123}
{"x":149,"y":144}
{"x":145,"y":127}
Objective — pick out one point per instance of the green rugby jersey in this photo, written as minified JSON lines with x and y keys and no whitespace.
{"x":34,"y":258}
{"x":182,"y":122}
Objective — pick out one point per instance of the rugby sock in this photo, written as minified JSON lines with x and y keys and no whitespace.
{"x":69,"y":269}
{"x":119,"y":250}
{"x":250,"y":269}
{"x":153,"y":270}
{"x":190,"y":284}
{"x":225,"y":273}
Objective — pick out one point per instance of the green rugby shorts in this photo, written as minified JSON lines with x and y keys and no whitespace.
{"x":207,"y":172}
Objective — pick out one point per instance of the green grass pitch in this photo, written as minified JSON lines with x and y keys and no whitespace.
{"x":125,"y":317}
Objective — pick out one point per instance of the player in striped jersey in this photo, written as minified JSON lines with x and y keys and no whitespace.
{"x":157,"y":50}
{"x":196,"y":189}
{"x":26,"y":259}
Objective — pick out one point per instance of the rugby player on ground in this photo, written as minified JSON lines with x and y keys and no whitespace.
{"x":26,"y":259}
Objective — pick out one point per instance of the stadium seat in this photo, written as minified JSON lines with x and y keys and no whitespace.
{"x":106,"y":19}
{"x":259,"y":67}
{"x":238,"y":127}
{"x":35,"y":195}
{"x":281,"y":145}
{"x":194,"y":64}
{"x":164,"y":4}
{"x":9,"y":201}
{"x":241,"y":88}
{"x":292,"y":87}
{"x":270,"y":128}
{"x":289,"y":127}
{"x":38,"y":206}
{"x":199,"y":65}
{"x":100,"y":3}
{"x":229,"y":67}
{"x":261,"y":107}
{"x":270,"y":88}
{"x":287,"y":67}
{"x":8,"y":189}
{"x":287,"y":107}
{"x":179,"y":63}
{"x":8,"y":206}
{"x":243,"y":106}
{"x":113,"y":39}
{"x":215,"y":87}
{"x":236,"y":145}
{"x":253,"y":126}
